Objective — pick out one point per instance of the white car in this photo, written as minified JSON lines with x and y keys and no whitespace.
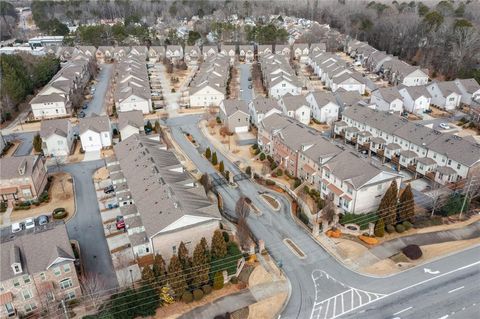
{"x":29,"y":223}
{"x":16,"y":227}
{"x":445,"y":126}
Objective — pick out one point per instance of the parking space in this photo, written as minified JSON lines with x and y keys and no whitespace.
{"x":118,"y":241}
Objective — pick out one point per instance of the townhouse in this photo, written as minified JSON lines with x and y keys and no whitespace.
{"x":416,"y":99}
{"x":270,"y":126}
{"x":37,"y":271}
{"x":262,"y":107}
{"x":57,"y":137}
{"x":407,"y":144}
{"x":264,"y":49}
{"x":95,"y":133}
{"x":245,"y":53}
{"x":230,"y":51}
{"x":174,"y":53}
{"x":192,"y":54}
{"x":130,"y":123}
{"x":387,"y":99}
{"x":324,"y":106}
{"x":64,"y":92}
{"x":209,"y":51}
{"x":470,"y":90}
{"x":22,"y":177}
{"x":156,"y":54}
{"x":399,"y":72}
{"x":104,"y":54}
{"x":235,"y":115}
{"x":297,"y":107}
{"x":279,"y":77}
{"x":209,"y":85}
{"x":445,"y":95}
{"x":282,"y":49}
{"x":165,"y":204}
{"x":301,"y":52}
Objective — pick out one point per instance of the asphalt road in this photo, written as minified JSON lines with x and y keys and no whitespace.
{"x":96,"y":105}
{"x":86,"y":226}
{"x":26,"y":142}
{"x":246,"y":94}
{"x":310,"y":291}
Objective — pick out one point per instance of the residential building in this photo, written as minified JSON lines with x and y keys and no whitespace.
{"x":22,"y":177}
{"x":262,"y":107}
{"x":270,"y":126}
{"x":246,"y":53}
{"x":296,"y":106}
{"x":235,"y":115}
{"x":387,"y":99}
{"x":174,"y":53}
{"x":156,"y":54}
{"x":416,"y":99}
{"x":301,"y":51}
{"x":445,"y":95}
{"x":95,"y":133}
{"x":470,"y":90}
{"x":130,"y":123}
{"x":57,"y":137}
{"x":399,"y":72}
{"x":324,"y":106}
{"x":37,"y":271}
{"x":349,"y":82}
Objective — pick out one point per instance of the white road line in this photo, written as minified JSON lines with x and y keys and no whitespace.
{"x":444,"y":317}
{"x":343,"y":306}
{"x":335,"y":305}
{"x":399,"y":312}
{"x":456,"y":289}
{"x":352,"y":299}
{"x":326,"y":309}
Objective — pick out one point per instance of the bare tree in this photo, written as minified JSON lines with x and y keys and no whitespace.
{"x":242,"y":208}
{"x":328,"y":211}
{"x":437,"y":196}
{"x":92,"y":286}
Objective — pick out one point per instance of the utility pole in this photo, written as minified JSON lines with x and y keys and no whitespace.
{"x":465,"y":198}
{"x":65,"y":309}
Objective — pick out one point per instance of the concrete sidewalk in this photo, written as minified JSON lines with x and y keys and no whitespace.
{"x":237,"y":301}
{"x":393,"y":246}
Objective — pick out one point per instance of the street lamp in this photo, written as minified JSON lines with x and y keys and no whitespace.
{"x":131,"y":278}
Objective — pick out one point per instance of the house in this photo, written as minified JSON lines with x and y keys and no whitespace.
{"x":22,"y":177}
{"x":470,"y":90}
{"x":282,"y":50}
{"x":445,"y":95}
{"x":174,"y":53}
{"x":246,"y":53}
{"x":156,"y":54}
{"x":120,"y":52}
{"x":95,"y":133}
{"x":104,"y":54}
{"x":416,"y":99}
{"x":296,"y":106}
{"x":283,"y":85}
{"x":229,"y":50}
{"x":324,"y":107}
{"x":130,"y":123}
{"x":209,"y":85}
{"x":346,"y":99}
{"x":37,"y":271}
{"x":387,"y":99}
{"x":192,"y":54}
{"x":356,"y":185}
{"x":57,"y":137}
{"x":269,"y":127}
{"x":206,"y":95}
{"x":349,"y":82}
{"x":399,"y":72}
{"x":131,"y":97}
{"x":235,"y":115}
{"x":318,"y":47}
{"x":264,"y":49}
{"x":301,"y":51}
{"x":50,"y":105}
{"x":262,"y":107}
{"x":376,"y":60}
{"x":166,"y":204}
{"x":209,"y":51}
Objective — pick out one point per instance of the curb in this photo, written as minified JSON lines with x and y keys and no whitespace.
{"x":74,"y":199}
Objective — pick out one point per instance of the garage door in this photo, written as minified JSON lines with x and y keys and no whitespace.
{"x":241,"y":129}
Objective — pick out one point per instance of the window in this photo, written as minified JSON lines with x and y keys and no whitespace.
{"x":27,"y":294}
{"x":379,"y":187}
{"x":70,"y":295}
{"x":16,"y":282}
{"x":50,"y":296}
{"x":174,"y":249}
{"x":60,"y":142}
{"x":10,"y":309}
{"x":458,"y":166}
{"x":42,"y":276}
{"x":30,"y":307}
{"x":90,"y":138}
{"x":449,"y":162}
{"x":56,"y":271}
{"x":26,"y":279}
{"x":66,"y":283}
{"x":350,"y":191}
{"x":1,"y":288}
{"x":66,"y":268}
{"x":16,"y":269}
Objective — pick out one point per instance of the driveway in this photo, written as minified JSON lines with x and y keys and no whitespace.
{"x":86,"y":226}
{"x":26,"y":142}
{"x":246,"y":94}
{"x":97,"y":104}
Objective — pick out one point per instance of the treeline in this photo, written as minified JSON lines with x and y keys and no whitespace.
{"x":8,"y":19}
{"x":43,"y":15}
{"x":22,"y":74}
{"x":443,"y":37}
{"x":267,"y":34}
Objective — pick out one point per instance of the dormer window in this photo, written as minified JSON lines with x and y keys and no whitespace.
{"x":17,"y":268}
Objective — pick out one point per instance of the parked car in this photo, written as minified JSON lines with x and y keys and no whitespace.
{"x":29,"y":223}
{"x":16,"y":227}
{"x":445,"y":126}
{"x":250,"y":86}
{"x":81,"y":114}
{"x":85,"y":106}
{"x":42,"y":220}
{"x":120,"y":223}
{"x":92,"y":89}
{"x":249,"y":78}
{"x":108,"y":189}
{"x":427,"y":111}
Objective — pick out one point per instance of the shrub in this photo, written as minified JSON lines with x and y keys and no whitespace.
{"x":273,"y":165}
{"x":226,"y":237}
{"x":218,"y":120}
{"x":399,"y":228}
{"x":297,"y":182}
{"x":412,"y":251}
{"x":270,"y":158}
{"x":234,"y":280}
{"x":269,"y":182}
{"x":197,"y":294}
{"x":368,"y":240}
{"x":255,"y":146}
{"x":187,"y":297}
{"x":262,"y":156}
{"x":218,"y":281}
{"x":303,"y":217}
{"x":257,"y":151}
{"x":380,"y":228}
{"x":59,"y":213}
{"x":279,"y":172}
{"x":248,"y":171}
{"x":407,"y":225}
{"x":390,"y":229}
{"x":306,"y":189}
{"x":207,"y":289}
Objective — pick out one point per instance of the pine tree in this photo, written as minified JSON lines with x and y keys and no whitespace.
{"x":388,"y":205}
{"x":219,"y":247}
{"x":37,"y":143}
{"x":201,"y":266}
{"x":204,"y":243}
{"x":157,"y":127}
{"x":183,"y":256}
{"x":380,"y":228}
{"x":214,"y":158}
{"x":208,"y":153}
{"x":149,"y":126}
{"x":221,"y":167}
{"x":147,"y":274}
{"x":218,"y":281}
{"x":176,"y":278}
{"x":159,"y":269}
{"x":406,"y":209}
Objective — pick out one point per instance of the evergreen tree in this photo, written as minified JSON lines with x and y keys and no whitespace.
{"x":176,"y":278}
{"x":388,"y":205}
{"x":221,"y":167}
{"x":200,"y":266}
{"x":208,"y":153}
{"x":183,"y":256}
{"x":148,"y":126}
{"x":148,"y":275}
{"x":219,"y":247}
{"x":157,"y":127}
{"x":147,"y":302}
{"x":214,"y":158}
{"x":380,"y":228}
{"x":159,"y":269}
{"x":37,"y":143}
{"x":406,"y":209}
{"x":204,"y":243}
{"x":218,"y":281}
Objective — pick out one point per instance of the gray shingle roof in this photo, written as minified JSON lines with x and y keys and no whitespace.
{"x":232,"y":106}
{"x":11,"y":167}
{"x":57,"y":126}
{"x":388,"y":94}
{"x":133,"y":118}
{"x":95,"y":123}
{"x":263,"y":104}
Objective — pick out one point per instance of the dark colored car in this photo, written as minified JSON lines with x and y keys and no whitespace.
{"x":85,"y":106}
{"x":108,"y":189}
{"x":42,"y":220}
{"x":120,"y":223}
{"x":81,"y":114}
{"x":249,"y":86}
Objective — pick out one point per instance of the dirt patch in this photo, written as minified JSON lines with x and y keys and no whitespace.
{"x":76,"y":156}
{"x":438,"y":113}
{"x":101,"y":174}
{"x":178,"y":308}
{"x":12,"y":149}
{"x":61,"y":195}
{"x":271,"y":201}
{"x":267,"y":308}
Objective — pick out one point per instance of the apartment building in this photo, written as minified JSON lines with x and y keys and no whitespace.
{"x":278,"y":76}
{"x":57,"y":137}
